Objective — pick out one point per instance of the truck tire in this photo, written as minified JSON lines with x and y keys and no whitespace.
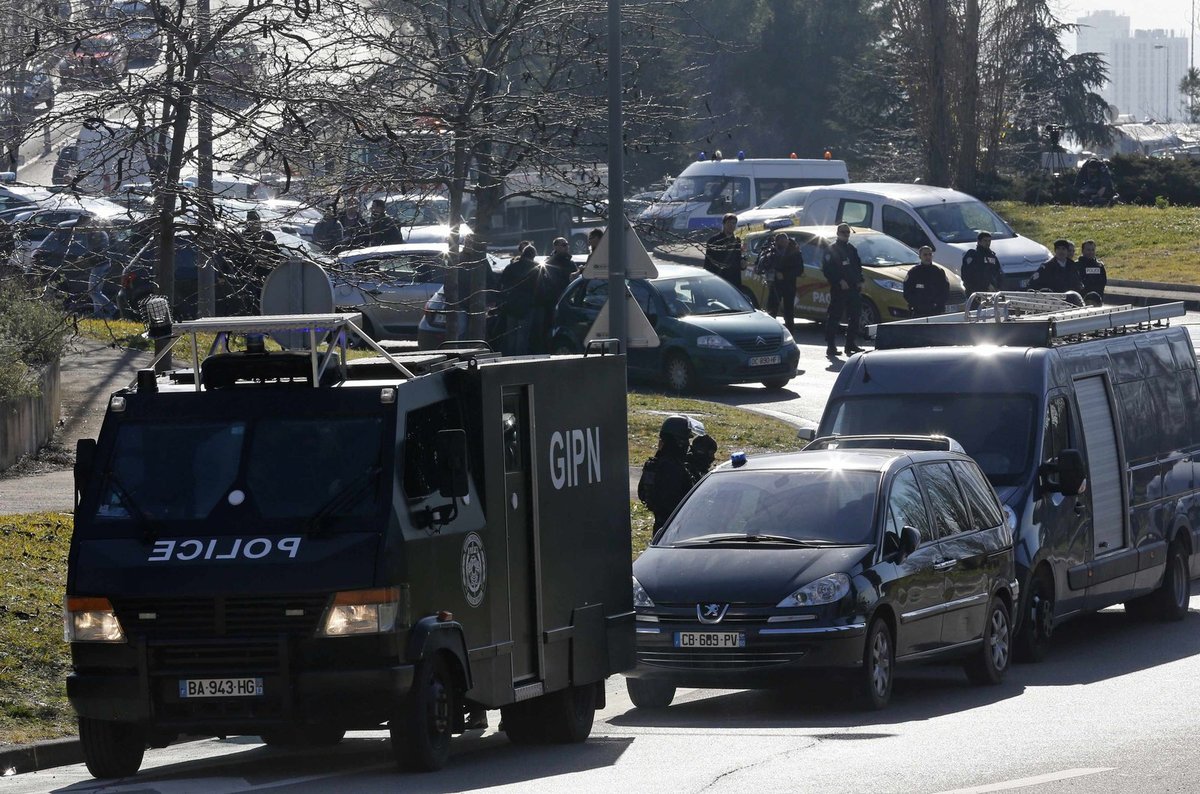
{"x":647,"y":694}
{"x":1033,"y":640}
{"x":988,"y":665}
{"x":1172,"y":596}
{"x":421,"y":729}
{"x":521,"y":722}
{"x":563,"y":717}
{"x":879,"y":667}
{"x":111,"y":749}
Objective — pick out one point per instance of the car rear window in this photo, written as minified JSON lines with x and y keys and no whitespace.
{"x":824,"y":507}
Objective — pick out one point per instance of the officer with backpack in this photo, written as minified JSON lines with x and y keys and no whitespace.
{"x":666,"y":478}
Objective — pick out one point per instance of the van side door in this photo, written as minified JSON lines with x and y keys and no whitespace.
{"x":981,"y":553}
{"x":915,"y":588}
{"x":1063,"y":523}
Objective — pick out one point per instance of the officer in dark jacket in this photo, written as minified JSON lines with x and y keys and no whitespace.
{"x":327,"y":232}
{"x":518,"y":302}
{"x":1091,"y":270}
{"x":981,"y":267}
{"x":784,"y":264}
{"x":926,"y":287}
{"x":843,"y":271}
{"x":553,"y":280}
{"x":723,"y":252}
{"x":701,"y":456}
{"x":381,"y":228}
{"x":665,"y":477}
{"x":1060,"y":274}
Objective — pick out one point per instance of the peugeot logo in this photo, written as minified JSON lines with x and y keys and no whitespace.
{"x":760,"y":341}
{"x":711,"y":613}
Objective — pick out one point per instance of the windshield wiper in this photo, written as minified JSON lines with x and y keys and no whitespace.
{"x":343,"y":498}
{"x":736,"y":537}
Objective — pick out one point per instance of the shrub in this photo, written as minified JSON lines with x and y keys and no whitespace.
{"x":32,"y":334}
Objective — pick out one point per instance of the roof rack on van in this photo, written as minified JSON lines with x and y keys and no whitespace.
{"x":331,"y":330}
{"x":1024,"y":319}
{"x":916,"y":443}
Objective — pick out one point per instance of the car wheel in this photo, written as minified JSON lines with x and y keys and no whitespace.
{"x":647,"y":694}
{"x":990,"y":663}
{"x":775,"y":384}
{"x":420,"y":732}
{"x":1033,"y":640}
{"x":111,"y":749}
{"x":1172,"y":596}
{"x":680,"y":374}
{"x":879,"y":666}
{"x":867,"y":315}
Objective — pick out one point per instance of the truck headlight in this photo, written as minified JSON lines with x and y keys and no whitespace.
{"x":826,"y":590}
{"x":355,"y":612}
{"x":640,"y":597}
{"x":87,"y":619}
{"x":714,"y":342}
{"x":887,"y":283}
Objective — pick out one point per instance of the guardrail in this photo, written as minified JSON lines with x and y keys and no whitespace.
{"x":26,"y":423}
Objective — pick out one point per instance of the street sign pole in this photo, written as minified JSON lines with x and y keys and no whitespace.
{"x":616,"y":181}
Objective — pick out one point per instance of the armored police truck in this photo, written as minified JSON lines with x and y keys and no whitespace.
{"x":292,"y":544}
{"x":1087,"y":422}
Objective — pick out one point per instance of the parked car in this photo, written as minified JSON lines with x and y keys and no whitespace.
{"x":886,"y":261}
{"x":138,"y":281}
{"x":103,"y":57}
{"x":61,"y":259}
{"x":138,"y":26}
{"x":235,"y":64}
{"x":782,"y":209}
{"x":708,"y":332}
{"x":16,"y":199}
{"x":37,"y":88}
{"x":34,"y":225}
{"x":846,"y":558}
{"x":389,"y":284}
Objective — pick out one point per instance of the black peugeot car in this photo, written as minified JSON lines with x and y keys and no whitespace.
{"x":838,"y":559}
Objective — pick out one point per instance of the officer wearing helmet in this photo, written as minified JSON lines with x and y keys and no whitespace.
{"x":701,"y":456}
{"x":666,"y":478}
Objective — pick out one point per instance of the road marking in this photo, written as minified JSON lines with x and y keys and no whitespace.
{"x":1051,"y":777}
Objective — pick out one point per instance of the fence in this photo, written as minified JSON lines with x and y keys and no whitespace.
{"x":26,"y":423}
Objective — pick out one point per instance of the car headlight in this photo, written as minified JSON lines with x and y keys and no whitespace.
{"x":714,"y":342}
{"x":787,"y":339}
{"x":826,"y":590}
{"x":887,"y":283}
{"x":361,"y":612}
{"x":91,"y":620}
{"x":1010,"y":516}
{"x":640,"y":597}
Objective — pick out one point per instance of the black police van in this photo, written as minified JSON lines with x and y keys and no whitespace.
{"x":293,"y":544}
{"x":1086,"y":421}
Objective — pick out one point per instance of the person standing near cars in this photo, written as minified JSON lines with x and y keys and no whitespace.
{"x":518,"y":298}
{"x":327,"y":232}
{"x":843,"y":270}
{"x":351,"y":221}
{"x":666,"y":478}
{"x":1059,"y":274}
{"x":553,"y":278}
{"x":981,"y":267}
{"x":701,"y":455}
{"x":98,"y":265}
{"x":723,"y":252}
{"x":926,"y":287}
{"x":381,"y":228}
{"x":780,"y":265}
{"x":1091,"y":270}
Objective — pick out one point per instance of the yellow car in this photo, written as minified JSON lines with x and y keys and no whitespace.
{"x":885,"y":260}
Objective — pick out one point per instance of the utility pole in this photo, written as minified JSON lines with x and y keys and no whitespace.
{"x":615,"y":232}
{"x":205,"y":278}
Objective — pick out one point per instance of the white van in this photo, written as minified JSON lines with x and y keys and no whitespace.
{"x":918,"y":215}
{"x":707,"y":189}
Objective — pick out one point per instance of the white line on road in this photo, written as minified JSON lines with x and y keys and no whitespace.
{"x":1051,"y":777}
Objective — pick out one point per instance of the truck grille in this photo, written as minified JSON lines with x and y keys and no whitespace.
{"x":242,"y":616}
{"x":223,"y":658}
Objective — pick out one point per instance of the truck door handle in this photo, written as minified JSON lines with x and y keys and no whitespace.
{"x":945,"y":565}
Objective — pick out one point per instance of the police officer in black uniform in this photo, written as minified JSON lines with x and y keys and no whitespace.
{"x":701,"y":456}
{"x":666,"y":478}
{"x":981,"y":267}
{"x":1060,"y":274}
{"x":1091,"y":270}
{"x":926,"y":287}
{"x":723,"y":252}
{"x":843,"y":271}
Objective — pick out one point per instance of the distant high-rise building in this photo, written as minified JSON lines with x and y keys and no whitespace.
{"x":1144,"y":69}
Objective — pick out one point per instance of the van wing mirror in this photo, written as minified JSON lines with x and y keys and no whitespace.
{"x":910,"y":539}
{"x":451,"y":448}
{"x":85,"y":461}
{"x":806,"y":434}
{"x":1072,"y":475}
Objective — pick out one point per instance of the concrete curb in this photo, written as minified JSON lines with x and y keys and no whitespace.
{"x":33,"y":757}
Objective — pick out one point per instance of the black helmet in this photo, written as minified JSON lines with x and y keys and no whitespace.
{"x":676,"y":428}
{"x":704,"y":445}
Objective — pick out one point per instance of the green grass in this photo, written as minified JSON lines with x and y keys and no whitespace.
{"x":33,"y":657}
{"x":34,"y":660}
{"x":129,"y":334}
{"x":1136,"y":243}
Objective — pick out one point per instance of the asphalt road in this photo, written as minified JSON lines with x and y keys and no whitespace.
{"x":1112,"y":710}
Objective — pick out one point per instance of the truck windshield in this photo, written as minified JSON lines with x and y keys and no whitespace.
{"x":279,"y":468}
{"x":995,"y":429}
{"x":807,"y":507}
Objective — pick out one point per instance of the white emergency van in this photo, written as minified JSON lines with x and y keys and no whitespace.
{"x":917,"y":215}
{"x":707,"y":189}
